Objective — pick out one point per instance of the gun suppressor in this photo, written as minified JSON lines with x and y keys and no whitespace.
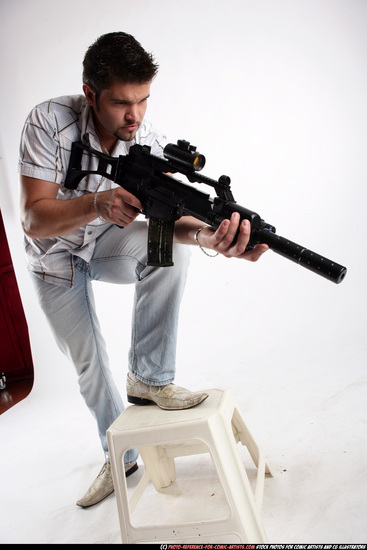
{"x":306,"y":258}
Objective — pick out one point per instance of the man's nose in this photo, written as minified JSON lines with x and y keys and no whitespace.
{"x":132,"y":112}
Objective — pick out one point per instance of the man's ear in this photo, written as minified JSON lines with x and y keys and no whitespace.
{"x":89,"y":94}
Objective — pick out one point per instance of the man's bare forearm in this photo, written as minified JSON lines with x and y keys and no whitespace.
{"x":46,"y":218}
{"x":185,"y":229}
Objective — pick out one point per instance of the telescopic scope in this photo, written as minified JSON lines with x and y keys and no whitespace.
{"x":183,"y":154}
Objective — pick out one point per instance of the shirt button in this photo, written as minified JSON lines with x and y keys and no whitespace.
{"x":89,"y":232}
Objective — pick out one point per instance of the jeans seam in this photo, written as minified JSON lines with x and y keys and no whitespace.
{"x":95,"y":339}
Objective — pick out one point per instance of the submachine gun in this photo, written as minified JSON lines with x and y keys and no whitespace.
{"x":166,"y":199}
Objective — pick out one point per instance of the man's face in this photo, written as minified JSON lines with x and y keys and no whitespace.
{"x":119,"y":110}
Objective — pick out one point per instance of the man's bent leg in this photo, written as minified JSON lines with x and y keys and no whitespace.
{"x":72,"y":318}
{"x":120,"y":257}
{"x":158,"y":294}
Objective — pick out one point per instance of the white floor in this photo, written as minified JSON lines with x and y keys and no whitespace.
{"x":288,"y":124}
{"x":306,"y":410}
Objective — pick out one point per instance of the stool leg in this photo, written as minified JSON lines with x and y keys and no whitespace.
{"x":160,"y":468}
{"x":119,"y":481}
{"x":241,"y":432}
{"x":236,"y":484}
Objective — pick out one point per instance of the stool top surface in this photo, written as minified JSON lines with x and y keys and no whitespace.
{"x":143,"y":416}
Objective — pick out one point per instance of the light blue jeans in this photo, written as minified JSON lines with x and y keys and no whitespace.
{"x":119,"y":257}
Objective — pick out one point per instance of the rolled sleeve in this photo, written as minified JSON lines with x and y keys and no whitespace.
{"x":39,"y":153}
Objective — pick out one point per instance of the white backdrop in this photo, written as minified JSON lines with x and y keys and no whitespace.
{"x":273,"y":93}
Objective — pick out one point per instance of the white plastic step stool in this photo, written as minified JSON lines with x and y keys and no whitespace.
{"x":215,"y":426}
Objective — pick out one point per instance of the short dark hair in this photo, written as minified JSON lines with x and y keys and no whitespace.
{"x":117,"y":56}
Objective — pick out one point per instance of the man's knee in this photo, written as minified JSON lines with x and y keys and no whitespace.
{"x":181,"y":255}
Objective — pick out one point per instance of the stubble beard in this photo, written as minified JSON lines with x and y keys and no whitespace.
{"x":121,"y":134}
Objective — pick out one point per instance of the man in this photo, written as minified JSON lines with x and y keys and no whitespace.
{"x":72,"y":238}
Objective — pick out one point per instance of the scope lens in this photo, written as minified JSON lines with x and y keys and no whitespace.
{"x":199,"y":162}
{"x":184,"y":157}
